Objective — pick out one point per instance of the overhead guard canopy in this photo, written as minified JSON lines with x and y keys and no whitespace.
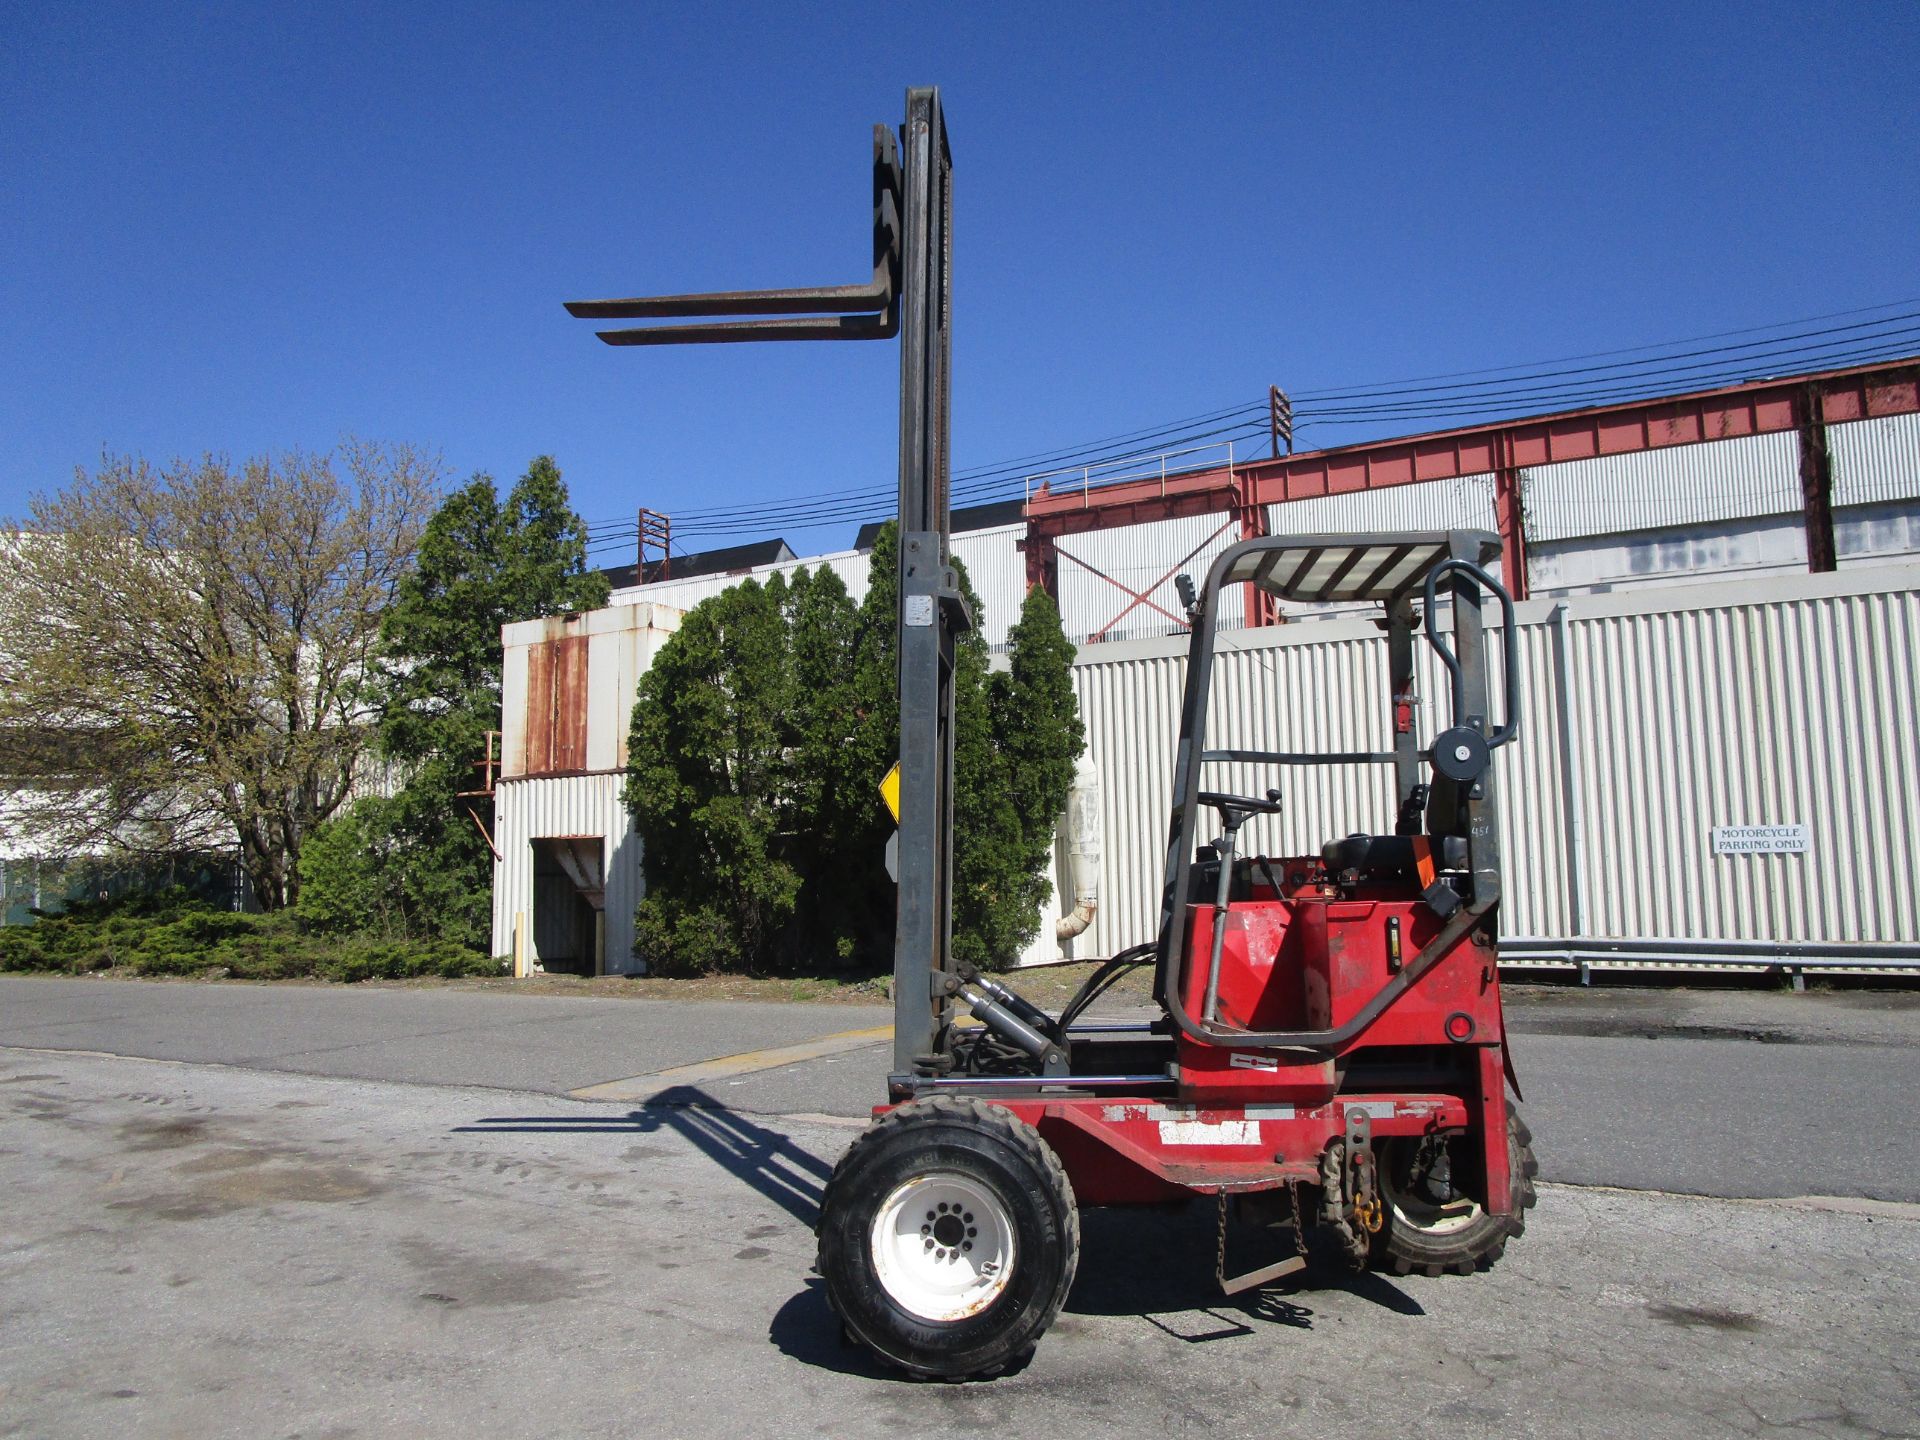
{"x":1380,"y":567}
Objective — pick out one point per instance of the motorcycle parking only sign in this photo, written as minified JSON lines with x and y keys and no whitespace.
{"x":1760,"y":839}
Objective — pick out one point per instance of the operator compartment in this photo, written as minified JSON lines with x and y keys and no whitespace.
{"x":1306,"y":950}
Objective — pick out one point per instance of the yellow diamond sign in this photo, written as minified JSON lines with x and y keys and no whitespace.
{"x":890,"y":791}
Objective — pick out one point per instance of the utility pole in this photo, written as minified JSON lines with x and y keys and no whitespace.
{"x":1280,"y":418}
{"x":655,"y":530}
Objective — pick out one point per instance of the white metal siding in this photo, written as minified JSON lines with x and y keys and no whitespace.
{"x":994,"y":564}
{"x":1683,"y":555}
{"x":1131,"y":709}
{"x":1751,"y":714}
{"x":1875,"y":534}
{"x":997,"y":570}
{"x":1465,"y":503}
{"x":1735,"y":703}
{"x":1875,"y":460}
{"x":527,"y":810}
{"x":1748,"y":476}
{"x":1142,"y":558}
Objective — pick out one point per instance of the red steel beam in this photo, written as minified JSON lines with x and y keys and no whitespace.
{"x":1758,"y":407}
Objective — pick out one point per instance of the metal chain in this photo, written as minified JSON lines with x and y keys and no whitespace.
{"x":1333,"y":1204}
{"x":1220,"y":1245}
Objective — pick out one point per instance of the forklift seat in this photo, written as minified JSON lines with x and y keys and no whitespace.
{"x":1390,"y":857}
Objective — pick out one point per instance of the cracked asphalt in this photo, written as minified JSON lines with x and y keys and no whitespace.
{"x":208,"y":1246}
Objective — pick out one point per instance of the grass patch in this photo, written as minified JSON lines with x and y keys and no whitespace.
{"x":173,"y":933}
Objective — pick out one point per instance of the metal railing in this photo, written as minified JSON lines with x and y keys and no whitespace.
{"x":1147,"y":465}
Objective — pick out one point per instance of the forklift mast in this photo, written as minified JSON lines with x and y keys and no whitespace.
{"x":910,"y":295}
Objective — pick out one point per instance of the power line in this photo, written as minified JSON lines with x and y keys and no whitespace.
{"x":1382,"y":402}
{"x":1573,"y":397}
{"x":1636,"y":349}
{"x":978,"y":491}
{"x":856,"y":510}
{"x":1173,"y":434}
{"x":1638,"y":367}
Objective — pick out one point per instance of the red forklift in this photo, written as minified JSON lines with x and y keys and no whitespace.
{"x":1329,"y":1050}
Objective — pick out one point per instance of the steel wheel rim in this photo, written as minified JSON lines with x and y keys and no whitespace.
{"x":1424,"y":1216}
{"x":942,"y":1246}
{"x":1445,"y":1219}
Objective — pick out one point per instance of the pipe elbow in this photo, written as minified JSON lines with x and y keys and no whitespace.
{"x":1075,"y":921}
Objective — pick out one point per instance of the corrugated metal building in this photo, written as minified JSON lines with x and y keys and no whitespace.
{"x":1652,"y":719}
{"x":1646,"y":675}
{"x":567,"y":878}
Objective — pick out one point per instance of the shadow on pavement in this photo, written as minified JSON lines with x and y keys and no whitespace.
{"x":806,"y":1329}
{"x":1156,"y":1265}
{"x":765,"y":1159}
{"x":1174,"y":1290}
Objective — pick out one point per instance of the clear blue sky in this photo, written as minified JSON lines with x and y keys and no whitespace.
{"x":261,"y":226}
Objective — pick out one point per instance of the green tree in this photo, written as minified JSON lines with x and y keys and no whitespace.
{"x":768,"y":854}
{"x":1036,"y":716}
{"x":709,"y":785}
{"x":1016,"y":738}
{"x":482,"y":564}
{"x":845,"y":911}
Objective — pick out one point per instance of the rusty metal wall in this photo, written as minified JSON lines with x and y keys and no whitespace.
{"x":554,"y":740}
{"x":1650,"y":719}
{"x":568,"y":683}
{"x":529,"y":809}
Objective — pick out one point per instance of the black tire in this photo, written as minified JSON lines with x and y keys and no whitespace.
{"x":910,"y":1294}
{"x":1421,"y":1237}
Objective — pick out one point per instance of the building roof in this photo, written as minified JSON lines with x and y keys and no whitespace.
{"x":733,"y":560}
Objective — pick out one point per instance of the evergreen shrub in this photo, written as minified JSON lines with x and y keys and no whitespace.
{"x":174,"y":933}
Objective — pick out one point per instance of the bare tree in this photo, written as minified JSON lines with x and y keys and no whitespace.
{"x":183,"y":650}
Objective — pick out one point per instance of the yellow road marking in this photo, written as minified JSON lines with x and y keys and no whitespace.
{"x":725,"y":1067}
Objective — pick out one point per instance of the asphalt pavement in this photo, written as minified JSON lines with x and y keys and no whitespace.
{"x":1736,"y":1093}
{"x":212,"y":1251}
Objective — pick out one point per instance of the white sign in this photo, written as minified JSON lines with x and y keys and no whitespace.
{"x":1760,"y":839}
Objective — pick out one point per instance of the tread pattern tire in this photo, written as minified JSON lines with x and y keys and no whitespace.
{"x":988,"y":1146}
{"x":1406,"y":1249}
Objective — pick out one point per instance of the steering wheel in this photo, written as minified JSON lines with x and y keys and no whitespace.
{"x":1235,"y":810}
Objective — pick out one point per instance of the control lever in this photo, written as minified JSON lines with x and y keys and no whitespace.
{"x":1235,"y":811}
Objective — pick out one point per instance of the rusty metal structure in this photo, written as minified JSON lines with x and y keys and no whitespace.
{"x":655,"y":532}
{"x":1239,"y":492}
